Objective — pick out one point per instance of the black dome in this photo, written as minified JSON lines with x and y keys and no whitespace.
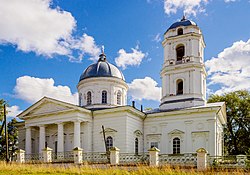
{"x":182,"y":22}
{"x":102,"y":69}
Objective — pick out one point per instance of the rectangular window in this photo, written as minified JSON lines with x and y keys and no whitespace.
{"x":154,"y":144}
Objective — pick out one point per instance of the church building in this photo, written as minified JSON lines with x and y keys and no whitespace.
{"x":183,"y":123}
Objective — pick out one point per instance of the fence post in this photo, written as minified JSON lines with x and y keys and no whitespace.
{"x":241,"y":159}
{"x":20,"y":156}
{"x":201,"y":159}
{"x":114,"y":155}
{"x":77,"y":155}
{"x":154,"y":156}
{"x":47,"y":154}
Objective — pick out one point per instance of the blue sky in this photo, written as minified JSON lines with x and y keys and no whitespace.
{"x":45,"y":45}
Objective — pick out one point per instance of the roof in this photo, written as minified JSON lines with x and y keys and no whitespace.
{"x":182,"y":22}
{"x":102,"y":69}
{"x":207,"y":105}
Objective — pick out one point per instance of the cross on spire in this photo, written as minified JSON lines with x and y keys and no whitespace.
{"x":183,"y":17}
{"x":102,"y":49}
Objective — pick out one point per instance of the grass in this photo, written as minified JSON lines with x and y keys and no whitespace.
{"x":61,"y":169}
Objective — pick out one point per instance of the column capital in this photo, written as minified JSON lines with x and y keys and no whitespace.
{"x":41,"y":125}
{"x":27,"y":127}
{"x":77,"y":120}
{"x":60,"y":123}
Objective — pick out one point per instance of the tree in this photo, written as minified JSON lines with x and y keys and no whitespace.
{"x":237,"y":129}
{"x":2,"y":102}
{"x":12,"y":135}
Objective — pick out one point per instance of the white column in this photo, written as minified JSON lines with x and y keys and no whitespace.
{"x":28,"y":140}
{"x":77,"y":132}
{"x":41,"y":138}
{"x":60,"y":138}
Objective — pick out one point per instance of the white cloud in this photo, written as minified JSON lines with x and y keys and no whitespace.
{"x":231,"y":68}
{"x":13,"y":111}
{"x":190,"y":7}
{"x":226,"y":1}
{"x":34,"y":26}
{"x":134,"y":58}
{"x":144,"y":89}
{"x":32,"y":89}
{"x":87,"y":46}
{"x":157,"y":38}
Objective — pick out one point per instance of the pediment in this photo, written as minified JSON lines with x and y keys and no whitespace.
{"x":47,"y":108}
{"x":138,"y":133}
{"x":109,"y":130}
{"x":176,"y":131}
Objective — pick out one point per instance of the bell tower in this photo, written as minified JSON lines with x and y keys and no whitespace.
{"x":183,"y":72}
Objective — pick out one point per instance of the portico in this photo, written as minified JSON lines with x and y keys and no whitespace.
{"x":44,"y":131}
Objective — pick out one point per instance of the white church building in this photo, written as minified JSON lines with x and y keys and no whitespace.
{"x":183,"y":122}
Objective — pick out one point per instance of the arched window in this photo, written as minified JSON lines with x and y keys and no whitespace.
{"x":119,"y":96}
{"x":136,"y":146}
{"x":180,"y":31}
{"x":89,"y":98}
{"x":176,"y":145}
{"x":109,"y":142}
{"x":179,"y":87}
{"x":180,"y":52}
{"x":80,"y":99}
{"x":104,"y":97}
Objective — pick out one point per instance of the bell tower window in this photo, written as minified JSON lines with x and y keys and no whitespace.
{"x":179,"y":87}
{"x":180,"y":52}
{"x":180,"y":31}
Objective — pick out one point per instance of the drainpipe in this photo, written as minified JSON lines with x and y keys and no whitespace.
{"x":143,"y":135}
